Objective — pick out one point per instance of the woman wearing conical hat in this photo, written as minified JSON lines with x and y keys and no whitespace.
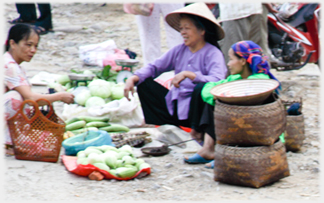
{"x":196,"y":61}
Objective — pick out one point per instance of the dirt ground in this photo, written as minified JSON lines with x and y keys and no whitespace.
{"x":171,"y":179}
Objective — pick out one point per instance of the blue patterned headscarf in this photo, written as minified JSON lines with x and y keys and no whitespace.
{"x":254,"y":56}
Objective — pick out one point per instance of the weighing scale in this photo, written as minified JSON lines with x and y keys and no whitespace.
{"x":77,"y":78}
{"x":124,"y":74}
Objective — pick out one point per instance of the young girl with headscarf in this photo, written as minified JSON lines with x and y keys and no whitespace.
{"x":246,"y":61}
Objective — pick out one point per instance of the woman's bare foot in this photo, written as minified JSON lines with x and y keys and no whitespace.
{"x":208,"y":149}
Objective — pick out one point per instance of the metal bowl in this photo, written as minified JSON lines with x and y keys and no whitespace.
{"x":82,"y":77}
{"x":245,"y":91}
{"x":126,"y":62}
{"x":156,"y":151}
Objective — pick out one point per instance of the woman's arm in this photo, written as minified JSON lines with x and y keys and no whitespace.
{"x":214,"y":68}
{"x":163,"y":64}
{"x":181,"y":76}
{"x":26,"y":93}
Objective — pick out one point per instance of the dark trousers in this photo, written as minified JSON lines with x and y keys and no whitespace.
{"x":152,"y":97}
{"x":207,"y":120}
{"x":27,"y":12}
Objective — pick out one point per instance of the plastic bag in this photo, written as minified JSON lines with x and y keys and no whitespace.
{"x":110,"y":59}
{"x":73,"y":110}
{"x":90,"y":138}
{"x":122,"y":111}
{"x":94,"y":54}
{"x":144,"y":9}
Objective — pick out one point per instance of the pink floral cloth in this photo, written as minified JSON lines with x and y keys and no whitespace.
{"x":14,"y":76}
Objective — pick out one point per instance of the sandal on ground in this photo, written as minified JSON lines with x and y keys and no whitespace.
{"x":19,"y":20}
{"x":40,"y":30}
{"x":210,"y":165}
{"x":197,"y":159}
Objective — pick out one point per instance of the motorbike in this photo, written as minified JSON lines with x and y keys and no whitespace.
{"x":294,"y":36}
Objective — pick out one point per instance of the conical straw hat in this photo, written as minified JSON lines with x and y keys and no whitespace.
{"x":198,"y":9}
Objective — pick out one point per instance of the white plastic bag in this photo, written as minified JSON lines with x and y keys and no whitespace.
{"x":122,"y":111}
{"x":94,"y":54}
{"x":73,"y":110}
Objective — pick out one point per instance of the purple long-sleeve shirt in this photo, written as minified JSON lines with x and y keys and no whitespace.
{"x":208,"y":64}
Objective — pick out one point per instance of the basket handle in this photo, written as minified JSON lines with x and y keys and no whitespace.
{"x":31,"y":103}
{"x":51,"y":110}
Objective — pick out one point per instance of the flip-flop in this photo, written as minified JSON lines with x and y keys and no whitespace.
{"x":212,"y":164}
{"x":197,"y":159}
{"x":19,"y":20}
{"x":40,"y":30}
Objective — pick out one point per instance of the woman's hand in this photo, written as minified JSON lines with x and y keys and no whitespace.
{"x":66,"y":97}
{"x":181,"y":76}
{"x":129,"y":86}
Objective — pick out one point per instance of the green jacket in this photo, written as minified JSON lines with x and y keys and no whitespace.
{"x":209,"y":98}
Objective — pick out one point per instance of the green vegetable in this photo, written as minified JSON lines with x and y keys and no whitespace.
{"x":96,"y":124}
{"x":102,"y":166}
{"x":144,"y":165}
{"x":93,"y":118}
{"x":124,"y":172}
{"x":89,"y":151}
{"x":119,"y":163}
{"x":75,"y":125}
{"x":115,"y":128}
{"x":111,"y":152}
{"x":100,"y":88}
{"x":128,"y":160}
{"x":63,"y":79}
{"x":126,"y":148}
{"x":138,"y":162}
{"x":71,"y":120}
{"x":95,"y":101}
{"x":117,"y":91}
{"x":68,"y":86}
{"x":82,"y":97}
{"x":106,"y":148}
{"x":110,"y":160}
{"x":121,"y":154}
{"x":83,"y":161}
{"x":82,"y":130}
{"x":113,"y":172}
{"x":81,"y":154}
{"x":94,"y":157}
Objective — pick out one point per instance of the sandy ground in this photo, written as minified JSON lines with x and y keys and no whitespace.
{"x":171,"y":179}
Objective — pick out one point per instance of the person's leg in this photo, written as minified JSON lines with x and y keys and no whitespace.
{"x":45,"y":19}
{"x":259,"y":32}
{"x":12,"y":102}
{"x":207,"y":152}
{"x":235,"y":30}
{"x":27,"y":13}
{"x":149,"y":33}
{"x":152,"y":98}
{"x":195,"y":113}
{"x":173,"y":37}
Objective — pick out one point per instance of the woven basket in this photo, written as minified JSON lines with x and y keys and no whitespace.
{"x":250,"y":166}
{"x":245,"y":91}
{"x":35,"y":135}
{"x":249,"y":125}
{"x":295,"y":132}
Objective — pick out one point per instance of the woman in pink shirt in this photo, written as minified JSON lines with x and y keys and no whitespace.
{"x":21,"y":45}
